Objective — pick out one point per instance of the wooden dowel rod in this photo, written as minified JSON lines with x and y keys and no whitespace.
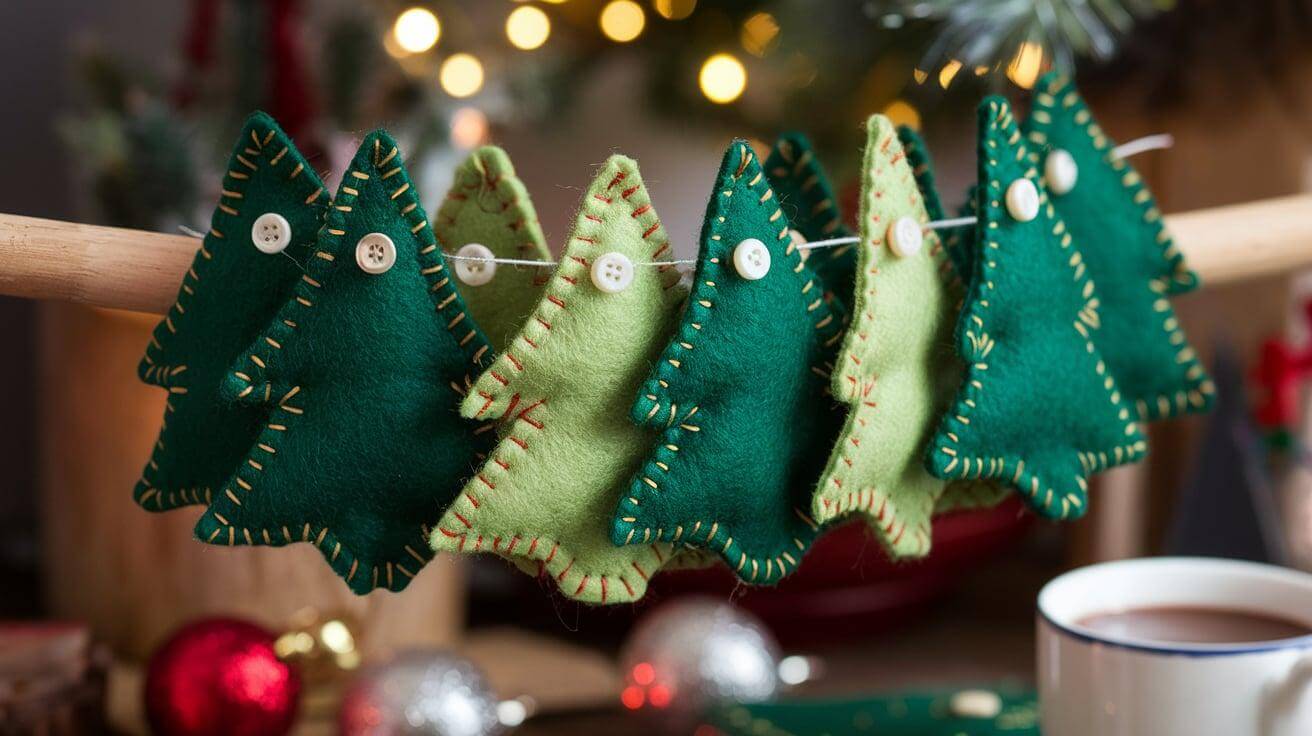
{"x":140,"y":271}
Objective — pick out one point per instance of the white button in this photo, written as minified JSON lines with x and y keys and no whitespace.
{"x":271,"y":233}
{"x":751,"y":259}
{"x":975,"y":704}
{"x":1023,"y":200}
{"x":1061,"y":171}
{"x":475,"y":273}
{"x":612,"y":273}
{"x":905,"y":237}
{"x":375,"y":253}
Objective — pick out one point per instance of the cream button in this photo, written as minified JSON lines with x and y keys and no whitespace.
{"x":1023,"y":200}
{"x":475,"y":272}
{"x":375,"y":253}
{"x":612,"y":273}
{"x":1061,"y":171}
{"x":751,"y":259}
{"x":905,"y":237}
{"x":271,"y":233}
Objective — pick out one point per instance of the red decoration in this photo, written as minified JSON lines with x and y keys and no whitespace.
{"x":1281,"y":371}
{"x":220,"y":677}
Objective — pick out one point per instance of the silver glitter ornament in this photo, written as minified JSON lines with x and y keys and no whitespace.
{"x":693,"y":652}
{"x":420,"y":693}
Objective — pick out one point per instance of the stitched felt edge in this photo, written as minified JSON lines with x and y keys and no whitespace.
{"x":618,"y":184}
{"x":944,"y":457}
{"x":259,"y":134}
{"x":1055,"y":90}
{"x":491,"y":166}
{"x":739,"y":164}
{"x":376,"y":152}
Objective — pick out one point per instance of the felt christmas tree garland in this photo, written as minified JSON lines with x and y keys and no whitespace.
{"x":270,"y":207}
{"x":567,"y":451}
{"x":361,"y":371}
{"x":1038,"y":409}
{"x":488,"y":212}
{"x":739,"y":393}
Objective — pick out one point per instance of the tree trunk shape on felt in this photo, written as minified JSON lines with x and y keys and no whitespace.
{"x":490,"y":206}
{"x":1037,"y":408}
{"x":232,"y":288}
{"x":362,"y":371}
{"x":740,"y":393}
{"x":896,"y":371}
{"x":808,"y":201}
{"x":567,"y":449}
{"x":1129,"y":253}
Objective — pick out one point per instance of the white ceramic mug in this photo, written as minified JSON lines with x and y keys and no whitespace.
{"x":1094,"y":684}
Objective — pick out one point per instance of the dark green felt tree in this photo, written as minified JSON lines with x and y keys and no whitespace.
{"x":362,"y":371}
{"x":808,"y":201}
{"x":237,"y":281}
{"x":1038,"y":408}
{"x":1129,"y":253}
{"x":740,"y":393}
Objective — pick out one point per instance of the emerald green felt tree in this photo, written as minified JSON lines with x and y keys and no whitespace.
{"x":1038,"y":408}
{"x":490,"y":206}
{"x":896,"y":370}
{"x":362,"y":372}
{"x":567,"y":449}
{"x":739,"y":393}
{"x":809,"y":203}
{"x":1130,"y":255}
{"x":270,"y":208}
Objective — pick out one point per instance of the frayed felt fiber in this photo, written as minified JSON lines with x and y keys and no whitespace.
{"x":1129,"y":253}
{"x":560,"y":391}
{"x":231,"y":289}
{"x":361,"y":372}
{"x":1037,"y":408}
{"x":739,"y":393}
{"x":489,"y":205}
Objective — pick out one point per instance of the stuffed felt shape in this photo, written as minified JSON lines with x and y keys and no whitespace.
{"x":567,"y":449}
{"x":739,"y":393}
{"x":1128,"y":251}
{"x":270,"y":208}
{"x":362,"y":371}
{"x":489,"y":205}
{"x":1037,"y":409}
{"x":896,"y":370}
{"x":808,"y":201}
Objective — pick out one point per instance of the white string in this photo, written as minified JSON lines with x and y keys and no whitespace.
{"x":1144,"y":144}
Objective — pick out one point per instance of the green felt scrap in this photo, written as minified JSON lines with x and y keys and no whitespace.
{"x":808,"y":201}
{"x":566,"y":447}
{"x":1129,"y":253}
{"x":227,"y":295}
{"x":896,"y":370}
{"x":1038,"y":409}
{"x":489,"y":205}
{"x":362,"y":375}
{"x":740,"y":394}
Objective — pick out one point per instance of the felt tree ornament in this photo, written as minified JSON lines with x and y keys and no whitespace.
{"x":739,"y":393}
{"x":1038,"y":408}
{"x":362,"y":372}
{"x":567,"y":450}
{"x":488,"y":214}
{"x":1128,"y":251}
{"x":808,"y":201}
{"x":270,"y":208}
{"x":896,"y":371}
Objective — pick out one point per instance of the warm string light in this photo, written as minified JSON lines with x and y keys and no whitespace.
{"x":416,"y":30}
{"x":528,"y":27}
{"x":674,"y":9}
{"x":760,"y":34}
{"x":622,"y":20}
{"x":722,"y":79}
{"x":461,"y":75}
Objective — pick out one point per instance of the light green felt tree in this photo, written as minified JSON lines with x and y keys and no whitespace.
{"x":1037,"y":409}
{"x":362,"y":372}
{"x":567,"y":448}
{"x":1128,"y":251}
{"x":740,"y":393}
{"x":489,"y":205}
{"x":232,"y":288}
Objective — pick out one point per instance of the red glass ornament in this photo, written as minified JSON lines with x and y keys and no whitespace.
{"x":221,"y":677}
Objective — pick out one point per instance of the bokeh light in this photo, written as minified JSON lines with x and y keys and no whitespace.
{"x":416,"y":30}
{"x":622,"y":20}
{"x":528,"y":27}
{"x":469,"y":128}
{"x":461,"y":75}
{"x":948,"y":72}
{"x":902,"y":112}
{"x":1026,"y":66}
{"x":723,"y":78}
{"x":674,"y":9}
{"x":760,"y":34}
